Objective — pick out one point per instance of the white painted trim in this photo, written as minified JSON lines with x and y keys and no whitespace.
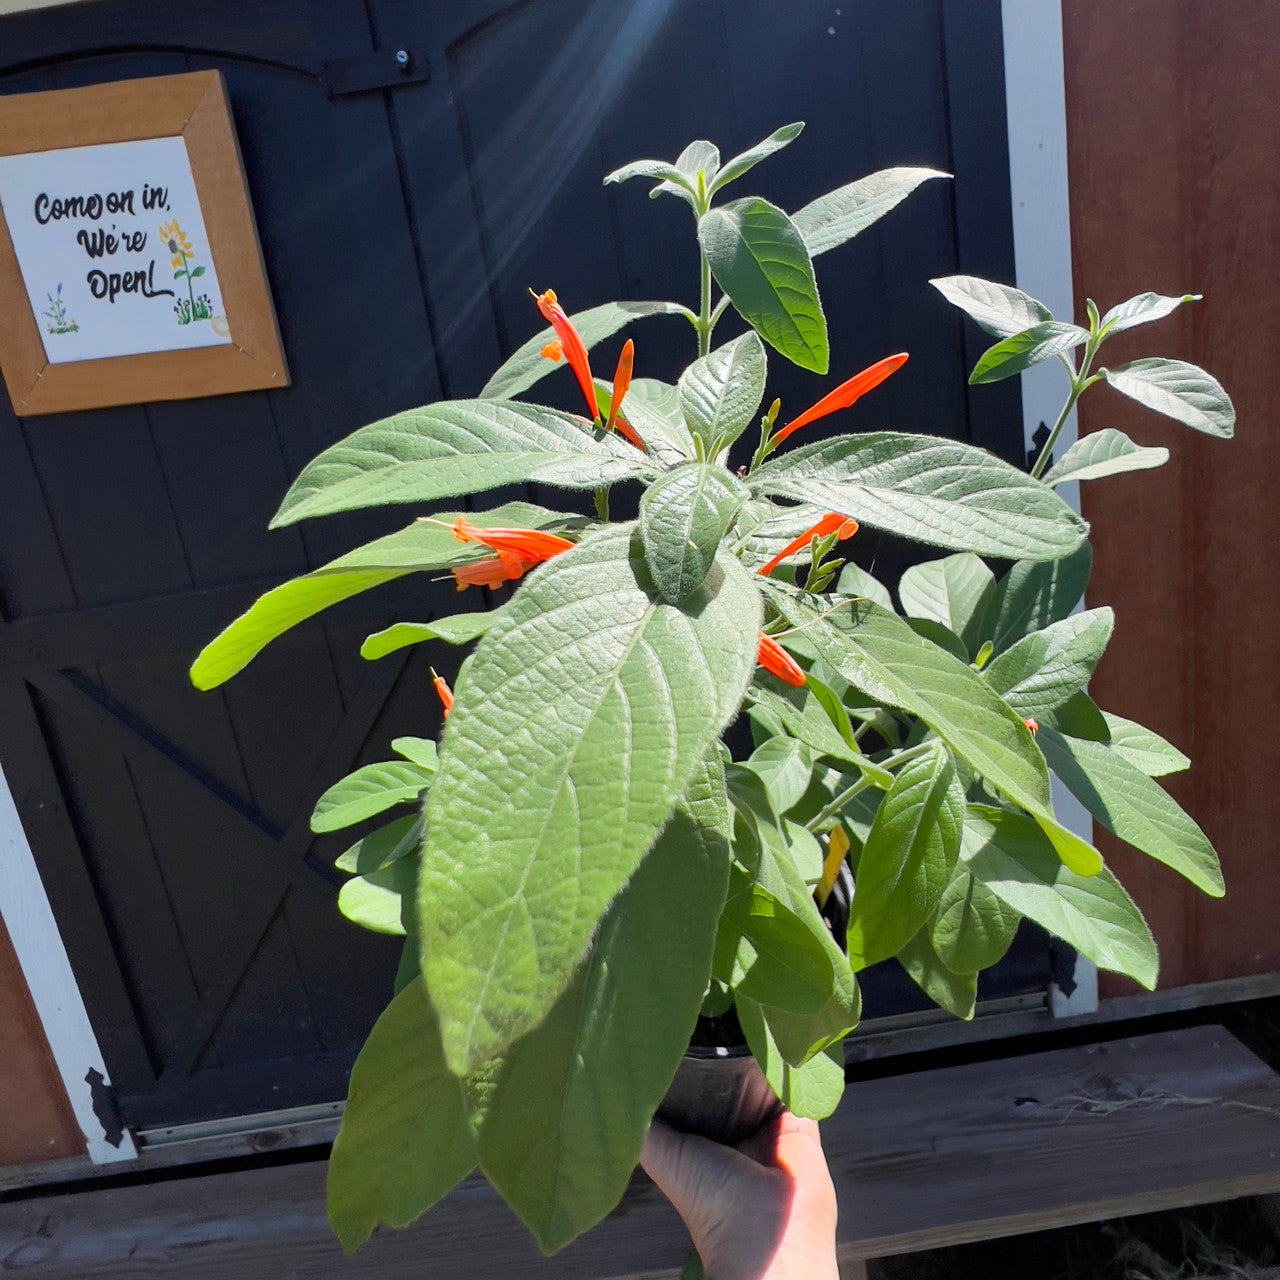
{"x":1035,"y":101}
{"x":25,"y":909}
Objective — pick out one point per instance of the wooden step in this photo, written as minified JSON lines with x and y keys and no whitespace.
{"x":920,"y":1161}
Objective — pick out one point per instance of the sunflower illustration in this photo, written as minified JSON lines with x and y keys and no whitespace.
{"x":176,"y":242}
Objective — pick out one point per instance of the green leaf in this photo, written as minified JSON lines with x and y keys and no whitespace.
{"x":758,"y":258}
{"x":698,"y":157}
{"x":1142,"y":309}
{"x":421,"y":547}
{"x":956,"y":993}
{"x":907,"y":857}
{"x":382,"y":900}
{"x":936,"y":491}
{"x":1104,"y":453}
{"x":1143,"y":747}
{"x":395,"y":840}
{"x":856,"y":581}
{"x":1034,"y":594}
{"x":457,"y":447}
{"x":1021,"y":351}
{"x":721,"y":392}
{"x":650,"y":169}
{"x":198,"y":271}
{"x":405,"y":1139}
{"x":1012,"y":857}
{"x":684,"y":515}
{"x":813,"y":1090}
{"x":1044,"y":669}
{"x":1132,"y":806}
{"x":370,"y":790}
{"x":958,"y":591}
{"x":800,"y":1036}
{"x":879,"y":653}
{"x":785,"y":767}
{"x":1080,"y":718}
{"x":753,"y":155}
{"x":421,"y":751}
{"x":566,"y":1112}
{"x":840,"y":215}
{"x":804,"y":714}
{"x":1181,"y":391}
{"x":942,"y":636}
{"x":971,"y":928}
{"x":455,"y":628}
{"x":997,"y":308}
{"x":579,"y":722}
{"x":527,"y":365}
{"x":653,"y":408}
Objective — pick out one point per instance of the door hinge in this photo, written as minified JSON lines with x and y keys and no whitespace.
{"x":372,"y":72}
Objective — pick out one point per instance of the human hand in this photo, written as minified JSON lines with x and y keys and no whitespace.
{"x":764,"y":1210}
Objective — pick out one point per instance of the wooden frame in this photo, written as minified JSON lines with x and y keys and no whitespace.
{"x":194,"y":106}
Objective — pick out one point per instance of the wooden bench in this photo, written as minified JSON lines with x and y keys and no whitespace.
{"x":920,"y":1160}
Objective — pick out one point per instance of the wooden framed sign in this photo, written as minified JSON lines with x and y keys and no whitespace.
{"x":130,"y":268}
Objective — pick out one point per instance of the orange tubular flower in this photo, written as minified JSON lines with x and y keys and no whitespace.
{"x":516,"y":552}
{"x":774,"y":658}
{"x":443,"y":691}
{"x":571,"y":345}
{"x":621,"y":380}
{"x":835,"y":523}
{"x":845,"y":394}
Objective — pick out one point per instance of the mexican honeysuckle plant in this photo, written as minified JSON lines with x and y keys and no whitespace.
{"x":579,"y":869}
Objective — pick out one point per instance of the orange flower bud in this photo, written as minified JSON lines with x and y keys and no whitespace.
{"x":842,"y":526}
{"x":845,"y":394}
{"x":775,"y":659}
{"x":443,"y":691}
{"x":571,"y":345}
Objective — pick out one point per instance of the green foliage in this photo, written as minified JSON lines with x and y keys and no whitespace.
{"x":759,"y":259}
{"x":578,"y":724}
{"x":575,"y":870}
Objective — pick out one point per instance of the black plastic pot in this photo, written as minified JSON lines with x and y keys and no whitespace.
{"x":719,"y":1090}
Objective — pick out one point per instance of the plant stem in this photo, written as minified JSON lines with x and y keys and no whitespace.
{"x":824,"y":817}
{"x":602,"y":505}
{"x":1078,"y":383}
{"x":704,"y":310}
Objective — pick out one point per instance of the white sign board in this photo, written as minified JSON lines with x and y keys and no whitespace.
{"x":112,"y":249}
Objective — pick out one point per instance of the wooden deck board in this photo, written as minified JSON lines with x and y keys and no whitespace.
{"x":921,"y":1160}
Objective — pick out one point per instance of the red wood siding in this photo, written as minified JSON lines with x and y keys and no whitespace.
{"x":1173,"y":125}
{"x":35,"y":1117}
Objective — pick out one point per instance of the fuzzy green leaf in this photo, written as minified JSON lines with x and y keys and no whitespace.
{"x":403,"y":1102}
{"x":785,"y":767}
{"x":527,"y":365}
{"x":936,"y":491}
{"x":382,"y":900}
{"x":759,"y":259}
{"x":565,"y":1114}
{"x":369,"y":790}
{"x":997,"y":308}
{"x":397,"y":839}
{"x":422,"y":547}
{"x":1104,"y":453}
{"x":813,"y":1090}
{"x":1143,"y":747}
{"x":1012,"y":857}
{"x":1034,"y":594}
{"x":1143,"y":309}
{"x":840,"y":215}
{"x":1044,"y":669}
{"x":971,"y":928}
{"x":907,"y":858}
{"x":958,"y":591}
{"x":748,"y":159}
{"x":457,"y":447}
{"x":1021,"y":351}
{"x":1133,"y":807}
{"x":1181,"y":391}
{"x":579,"y":722}
{"x":879,"y":653}
{"x":721,"y":392}
{"x":454,"y":628}
{"x":956,"y":993}
{"x":684,"y":515}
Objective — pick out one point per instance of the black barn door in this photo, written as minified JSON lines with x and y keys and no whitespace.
{"x":402,"y":217}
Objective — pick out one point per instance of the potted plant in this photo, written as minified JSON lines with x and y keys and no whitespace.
{"x":580,"y":869}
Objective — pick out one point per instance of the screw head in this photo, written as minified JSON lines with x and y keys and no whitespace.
{"x":402,"y":57}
